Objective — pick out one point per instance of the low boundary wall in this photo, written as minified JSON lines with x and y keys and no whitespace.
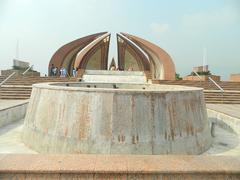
{"x":66,"y":167}
{"x":13,"y":113}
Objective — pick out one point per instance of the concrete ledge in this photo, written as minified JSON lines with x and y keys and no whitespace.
{"x":10,"y":112}
{"x":114,"y":76}
{"x":106,"y":72}
{"x":118,"y":166}
{"x":225,"y":121}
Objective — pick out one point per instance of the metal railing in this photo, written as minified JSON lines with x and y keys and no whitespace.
{"x":219,"y":87}
{"x":5,"y":80}
{"x":27,"y":70}
{"x":214,"y":82}
{"x":198,"y":77}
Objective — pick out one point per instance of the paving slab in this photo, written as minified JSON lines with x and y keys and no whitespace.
{"x":10,"y":139}
{"x":5,"y":104}
{"x":225,"y":143}
{"x":135,"y":164}
{"x":229,"y":109}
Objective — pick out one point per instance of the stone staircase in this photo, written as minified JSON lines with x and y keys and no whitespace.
{"x":226,"y":85}
{"x":15,"y":92}
{"x":231,"y":94}
{"x":20,"y":87}
{"x":226,"y":97}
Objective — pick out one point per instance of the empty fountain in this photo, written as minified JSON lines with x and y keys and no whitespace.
{"x":108,"y":118}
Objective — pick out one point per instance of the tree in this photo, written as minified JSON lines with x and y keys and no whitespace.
{"x":177,"y":76}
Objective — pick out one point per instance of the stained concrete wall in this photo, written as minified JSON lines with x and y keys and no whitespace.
{"x":158,"y":119}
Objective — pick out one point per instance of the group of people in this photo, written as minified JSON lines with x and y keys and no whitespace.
{"x":62,"y":72}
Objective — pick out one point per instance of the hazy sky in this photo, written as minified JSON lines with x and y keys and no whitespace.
{"x":182,"y":27}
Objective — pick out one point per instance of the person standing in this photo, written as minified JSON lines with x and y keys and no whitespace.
{"x":52,"y":70}
{"x":56,"y":71}
{"x":74,"y":72}
{"x":61,"y":71}
{"x":64,"y":71}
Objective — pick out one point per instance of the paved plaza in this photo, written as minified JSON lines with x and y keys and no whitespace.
{"x":224,"y":143}
{"x":228,"y":109}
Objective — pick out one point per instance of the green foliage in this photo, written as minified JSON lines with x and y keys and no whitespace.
{"x":177,"y":77}
{"x":206,"y":73}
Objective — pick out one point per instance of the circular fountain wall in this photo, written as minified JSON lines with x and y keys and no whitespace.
{"x":116,"y":119}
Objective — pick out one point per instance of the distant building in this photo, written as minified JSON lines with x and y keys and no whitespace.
{"x":235,"y":77}
{"x":203,"y":74}
{"x":19,"y":67}
{"x":201,"y":68}
{"x":20,"y":64}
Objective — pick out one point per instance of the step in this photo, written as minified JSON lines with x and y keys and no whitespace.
{"x":15,"y":92}
{"x":220,"y":102}
{"x":15,"y":97}
{"x":15,"y":89}
{"x":219,"y":99}
{"x":26,"y":95}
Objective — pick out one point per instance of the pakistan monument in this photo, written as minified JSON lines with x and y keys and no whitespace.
{"x":128,"y":117}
